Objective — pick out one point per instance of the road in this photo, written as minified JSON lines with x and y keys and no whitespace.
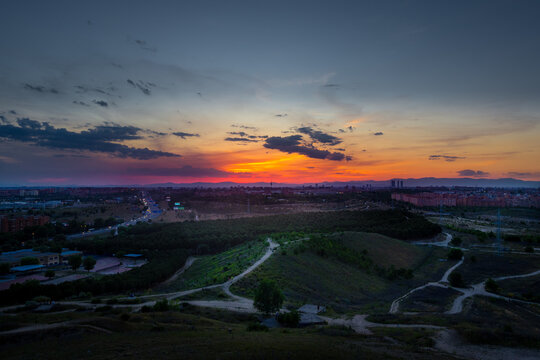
{"x":151,"y":213}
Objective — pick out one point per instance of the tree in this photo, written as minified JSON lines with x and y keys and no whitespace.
{"x":491,"y":285}
{"x":89,"y":263}
{"x":268,"y":297}
{"x":49,"y":273}
{"x":456,"y":280}
{"x":75,"y":261}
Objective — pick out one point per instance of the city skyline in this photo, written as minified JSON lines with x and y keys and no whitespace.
{"x":289,"y":93}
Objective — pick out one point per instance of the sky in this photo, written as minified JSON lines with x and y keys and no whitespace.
{"x":139,"y":92}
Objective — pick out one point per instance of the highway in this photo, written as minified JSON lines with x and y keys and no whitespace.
{"x":151,"y":213}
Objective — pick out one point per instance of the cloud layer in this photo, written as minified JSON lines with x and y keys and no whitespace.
{"x":102,"y":139}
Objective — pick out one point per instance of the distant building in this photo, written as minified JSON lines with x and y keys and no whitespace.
{"x":14,"y":257}
{"x":18,"y":223}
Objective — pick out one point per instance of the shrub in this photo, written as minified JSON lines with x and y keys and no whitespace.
{"x":124,"y":317}
{"x":162,"y":305}
{"x":491,"y":285}
{"x":290,"y":319}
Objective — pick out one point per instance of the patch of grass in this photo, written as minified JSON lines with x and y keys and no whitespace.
{"x":206,"y":294}
{"x":429,"y":299}
{"x":216,"y":269}
{"x":415,"y":337}
{"x":492,"y":265}
{"x":527,"y":288}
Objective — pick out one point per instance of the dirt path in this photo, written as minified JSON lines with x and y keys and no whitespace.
{"x":238,"y":304}
{"x":189,"y":261}
{"x":42,"y":327}
{"x":394,"y":307}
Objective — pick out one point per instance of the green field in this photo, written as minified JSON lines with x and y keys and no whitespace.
{"x":493,"y":265}
{"x":310,"y":278}
{"x":216,"y":269}
{"x":527,"y":288}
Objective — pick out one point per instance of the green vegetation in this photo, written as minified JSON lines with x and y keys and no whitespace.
{"x":159,"y":241}
{"x":342,"y":284}
{"x":491,"y":285}
{"x":414,"y":337}
{"x":192,"y":333}
{"x":527,"y":288}
{"x":268,"y":297}
{"x":89,"y":263}
{"x":50,"y":274}
{"x":206,"y":294}
{"x":216,"y":269}
{"x":289,"y":319}
{"x":75,"y":261}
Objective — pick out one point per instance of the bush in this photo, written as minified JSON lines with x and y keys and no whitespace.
{"x":162,"y":305}
{"x":112,"y":301}
{"x":491,"y":285}
{"x":290,"y":319}
{"x":96,"y":301}
{"x":529,"y":249}
{"x":124,"y":317}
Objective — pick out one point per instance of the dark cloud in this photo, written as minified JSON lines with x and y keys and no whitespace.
{"x":83,"y":89}
{"x":3,"y":119}
{"x":350,"y":128}
{"x":141,"y":85}
{"x":245,"y":135}
{"x":82,"y":103}
{"x":449,"y":158}
{"x":378,"y":133}
{"x":144,"y":45}
{"x":41,"y":89}
{"x":184,"y":171}
{"x":293,"y":144}
{"x":101,"y":139}
{"x":245,"y":127}
{"x":281,"y":115}
{"x":184,"y":135}
{"x":319,"y":136}
{"x":12,"y":112}
{"x":240,"y":139}
{"x":473,"y":173}
{"x":331,"y":85}
{"x":101,"y":103}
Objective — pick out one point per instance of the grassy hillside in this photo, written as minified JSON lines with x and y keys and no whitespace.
{"x":341,"y":284}
{"x":216,"y":269}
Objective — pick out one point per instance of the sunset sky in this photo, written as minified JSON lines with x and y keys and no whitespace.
{"x":127,"y":92}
